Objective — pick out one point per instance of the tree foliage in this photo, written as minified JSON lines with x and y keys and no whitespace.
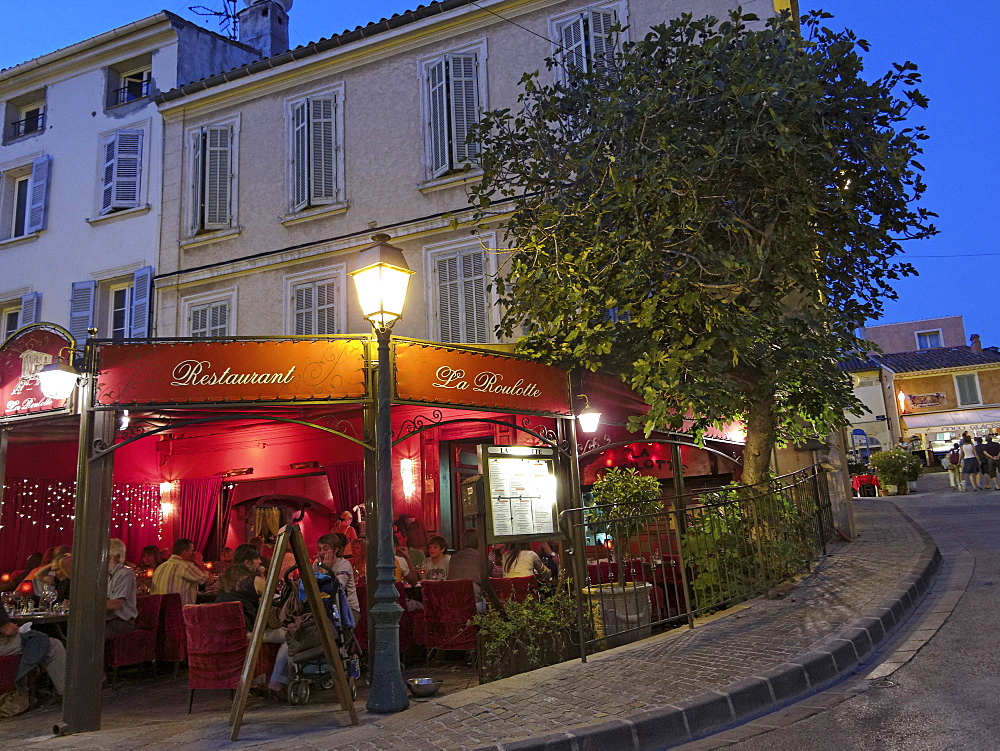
{"x":710,"y":215}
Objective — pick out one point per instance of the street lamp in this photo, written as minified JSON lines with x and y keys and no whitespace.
{"x":589,"y":418}
{"x":57,"y":380}
{"x":381,"y":282}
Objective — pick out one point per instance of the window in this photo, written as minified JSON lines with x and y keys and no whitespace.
{"x":24,"y":193}
{"x":210,"y":319}
{"x":119,"y":307}
{"x":462,"y":303}
{"x":9,"y":318}
{"x":967,"y":387}
{"x":316,"y":135}
{"x":314,"y":307}
{"x":928,"y":339}
{"x":134,"y":85}
{"x":122,"y":173}
{"x":24,"y":115}
{"x":16,"y":314}
{"x":454,"y":91}
{"x":585,"y":38}
{"x":213,"y":161}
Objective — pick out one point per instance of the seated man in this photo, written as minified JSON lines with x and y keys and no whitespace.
{"x":54,"y":659}
{"x":436,"y":563}
{"x":121,"y":607}
{"x":183,"y":572}
{"x":33,"y":562}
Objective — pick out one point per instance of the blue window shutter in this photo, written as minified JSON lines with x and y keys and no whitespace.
{"x":81,"y":309}
{"x":31,"y":305}
{"x":142,"y":295}
{"x":38,"y":195}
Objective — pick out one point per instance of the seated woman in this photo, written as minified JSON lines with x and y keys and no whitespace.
{"x":329,"y":549}
{"x":469,"y":563}
{"x":521,"y":560}
{"x":359,"y":559}
{"x":150,"y":558}
{"x":243,"y":582}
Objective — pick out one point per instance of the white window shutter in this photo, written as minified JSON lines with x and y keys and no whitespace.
{"x":574,"y":50}
{"x":449,"y":306}
{"x":31,"y":305}
{"x":326,"y":307}
{"x":602,"y":44}
{"x":323,"y":135}
{"x":81,"y":309}
{"x":437,"y":98}
{"x":300,"y":156}
{"x":199,"y":321}
{"x":464,"y":73}
{"x":197,"y":183}
{"x":108,"y":187}
{"x":142,"y":294}
{"x":38,"y":196}
{"x":127,"y":169}
{"x":303,"y":308}
{"x":475,"y":315}
{"x":219,"y":319}
{"x":218,"y":176}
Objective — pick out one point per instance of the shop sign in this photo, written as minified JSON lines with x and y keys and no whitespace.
{"x":926,"y":400}
{"x":21,"y":358}
{"x":520,"y":486}
{"x":443,"y":375}
{"x":215,"y":372}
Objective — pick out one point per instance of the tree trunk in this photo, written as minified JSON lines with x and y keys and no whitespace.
{"x":760,"y":439}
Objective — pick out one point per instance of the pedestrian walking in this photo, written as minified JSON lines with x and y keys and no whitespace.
{"x":970,"y":464}
{"x":992,"y":450}
{"x":984,"y":465}
{"x":955,"y":467}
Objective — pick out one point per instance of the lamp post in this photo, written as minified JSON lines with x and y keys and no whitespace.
{"x":381,"y":282}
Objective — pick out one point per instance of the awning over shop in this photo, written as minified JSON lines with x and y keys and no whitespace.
{"x":959,"y":419}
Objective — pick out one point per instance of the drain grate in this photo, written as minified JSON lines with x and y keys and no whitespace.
{"x":882,"y":683}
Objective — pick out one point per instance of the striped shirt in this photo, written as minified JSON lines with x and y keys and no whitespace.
{"x":177,"y":575}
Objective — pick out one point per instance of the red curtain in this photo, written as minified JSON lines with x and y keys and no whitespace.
{"x":199,"y":505}
{"x":38,"y":514}
{"x":347,"y":484}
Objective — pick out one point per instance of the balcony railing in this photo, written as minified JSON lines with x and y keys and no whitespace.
{"x":130,"y":92}
{"x":31,"y":124}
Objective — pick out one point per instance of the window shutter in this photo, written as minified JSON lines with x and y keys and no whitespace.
{"x":303,"y":309}
{"x":322,"y":132}
{"x":31,"y":304}
{"x":142,"y":293}
{"x":574,"y":51}
{"x":219,"y":319}
{"x":967,"y":391}
{"x":108,"y":188}
{"x":300,"y":156}
{"x":127,"y":169}
{"x":218,"y":177}
{"x":38,"y":196}
{"x":199,"y":321}
{"x":476,"y":316}
{"x":602,"y":43}
{"x":437,"y":97}
{"x":326,"y":307}
{"x":449,"y":312}
{"x":81,"y":309}
{"x":197,"y":183}
{"x":464,"y":105}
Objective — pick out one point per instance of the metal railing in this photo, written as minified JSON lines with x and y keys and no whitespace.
{"x":30,"y":124}
{"x":704,"y":551}
{"x":130,"y":92}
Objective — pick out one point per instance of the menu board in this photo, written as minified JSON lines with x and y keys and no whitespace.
{"x":520,"y":492}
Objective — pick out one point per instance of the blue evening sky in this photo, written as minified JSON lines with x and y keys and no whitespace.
{"x":951,"y":44}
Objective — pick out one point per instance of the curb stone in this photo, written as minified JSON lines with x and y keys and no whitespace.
{"x":754,"y":697}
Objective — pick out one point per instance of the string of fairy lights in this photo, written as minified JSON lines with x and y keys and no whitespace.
{"x":50,"y":503}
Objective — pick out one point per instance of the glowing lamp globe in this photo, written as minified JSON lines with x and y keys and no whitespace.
{"x":57,"y":380}
{"x":381,"y":282}
{"x":589,"y":420}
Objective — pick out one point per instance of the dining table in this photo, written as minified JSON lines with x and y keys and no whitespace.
{"x":55,"y":623}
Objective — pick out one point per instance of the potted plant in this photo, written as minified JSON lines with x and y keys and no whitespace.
{"x":892,"y":467}
{"x":913,"y":472}
{"x":621,"y":505}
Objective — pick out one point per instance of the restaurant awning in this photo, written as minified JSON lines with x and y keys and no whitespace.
{"x":955,"y":419}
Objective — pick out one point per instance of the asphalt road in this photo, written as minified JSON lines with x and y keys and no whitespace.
{"x":946,"y":695}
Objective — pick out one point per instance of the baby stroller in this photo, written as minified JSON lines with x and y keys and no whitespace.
{"x":305,"y":651}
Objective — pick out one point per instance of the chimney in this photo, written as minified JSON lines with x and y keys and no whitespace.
{"x":974,"y":344}
{"x":263,"y":25}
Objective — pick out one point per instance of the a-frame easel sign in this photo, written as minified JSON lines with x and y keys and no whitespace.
{"x":291,"y":535}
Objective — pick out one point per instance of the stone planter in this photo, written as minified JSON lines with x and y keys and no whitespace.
{"x":620,"y":614}
{"x":889,"y":489}
{"x":516,"y":658}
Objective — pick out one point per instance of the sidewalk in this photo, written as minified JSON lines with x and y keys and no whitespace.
{"x":657,"y":693}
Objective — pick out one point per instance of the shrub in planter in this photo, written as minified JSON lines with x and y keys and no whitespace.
{"x":893,"y":467}
{"x":526,"y":635}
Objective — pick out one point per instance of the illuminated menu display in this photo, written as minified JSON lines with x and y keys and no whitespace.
{"x":520,"y":492}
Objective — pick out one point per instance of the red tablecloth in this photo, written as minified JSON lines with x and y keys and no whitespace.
{"x":858,"y":480}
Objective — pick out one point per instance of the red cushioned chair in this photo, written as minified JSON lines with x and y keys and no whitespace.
{"x":140,"y":644}
{"x":8,"y":671}
{"x":361,"y":627}
{"x":449,"y":606}
{"x":524,"y":587}
{"x":503,"y":587}
{"x":216,"y":646}
{"x":171,"y":646}
{"x":602,"y":572}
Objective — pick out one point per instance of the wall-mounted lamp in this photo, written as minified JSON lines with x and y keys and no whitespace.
{"x":304,"y":465}
{"x":901,"y":398}
{"x":408,"y":476}
{"x":167,"y":510}
{"x":240,"y":471}
{"x":589,"y":418}
{"x":123,"y":423}
{"x":57,"y":380}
